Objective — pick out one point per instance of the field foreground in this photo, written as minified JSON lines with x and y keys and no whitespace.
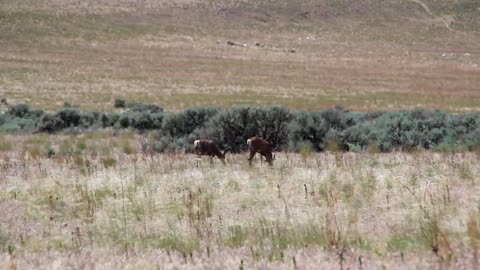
{"x":398,"y":210}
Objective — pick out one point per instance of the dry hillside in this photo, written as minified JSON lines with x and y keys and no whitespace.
{"x":364,"y":55}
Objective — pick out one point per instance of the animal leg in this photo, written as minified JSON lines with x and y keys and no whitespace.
{"x":252,"y":154}
{"x":269,"y":159}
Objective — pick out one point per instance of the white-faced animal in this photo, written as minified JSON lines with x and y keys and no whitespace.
{"x":209,"y":148}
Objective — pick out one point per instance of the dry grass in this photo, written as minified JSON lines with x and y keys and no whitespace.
{"x":90,"y":54}
{"x":96,"y":201}
{"x":117,"y":210}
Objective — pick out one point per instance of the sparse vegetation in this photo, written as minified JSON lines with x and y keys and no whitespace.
{"x":341,"y":210}
{"x":82,"y":184}
{"x":368,"y":55}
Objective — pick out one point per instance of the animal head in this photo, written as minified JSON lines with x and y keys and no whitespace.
{"x":196,"y":143}
{"x":226,"y":150}
{"x":270,"y":158}
{"x":209,"y":148}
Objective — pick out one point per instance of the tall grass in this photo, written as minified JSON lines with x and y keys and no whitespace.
{"x":348,"y":211}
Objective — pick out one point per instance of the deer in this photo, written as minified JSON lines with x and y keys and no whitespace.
{"x":259,"y":145}
{"x":209,"y":148}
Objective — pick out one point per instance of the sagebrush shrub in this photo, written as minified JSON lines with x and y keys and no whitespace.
{"x":180,"y":124}
{"x":333,"y":129}
{"x":119,"y":103}
{"x":308,"y":128}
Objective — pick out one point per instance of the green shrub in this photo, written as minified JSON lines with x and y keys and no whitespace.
{"x":124,"y":120}
{"x":358,"y":135}
{"x":140,"y":107}
{"x":24,"y":111}
{"x":272,"y":124}
{"x":186,"y":122}
{"x":394,"y":130}
{"x":9,"y":127}
{"x":25,"y":124}
{"x":4,"y":118}
{"x":335,"y":118}
{"x":233,"y":127}
{"x":141,"y":120}
{"x":50,"y":151}
{"x":50,"y":123}
{"x":169,"y":144}
{"x":109,"y":119}
{"x":119,"y":103}
{"x":472,"y":139}
{"x":308,"y":127}
{"x":88,"y":119}
{"x":20,"y":110}
{"x":332,"y":129}
{"x":70,"y":117}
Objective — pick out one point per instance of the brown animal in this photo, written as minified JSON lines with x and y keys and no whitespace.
{"x":209,"y":148}
{"x":259,"y":145}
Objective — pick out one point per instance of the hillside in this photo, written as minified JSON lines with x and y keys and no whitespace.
{"x":363,"y":55}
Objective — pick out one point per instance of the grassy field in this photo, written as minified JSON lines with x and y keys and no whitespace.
{"x":105,"y":200}
{"x":88,"y":208}
{"x":362,"y":55}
